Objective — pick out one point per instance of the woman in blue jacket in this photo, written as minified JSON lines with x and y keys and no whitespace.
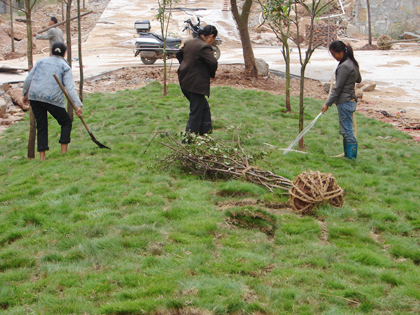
{"x":45,"y":96}
{"x":343,"y":95}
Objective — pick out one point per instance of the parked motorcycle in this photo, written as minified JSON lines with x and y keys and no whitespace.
{"x":150,"y":45}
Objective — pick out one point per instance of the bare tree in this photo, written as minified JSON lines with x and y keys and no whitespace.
{"x":164,"y":17}
{"x":313,"y":9}
{"x":28,"y":14}
{"x":68,"y":44}
{"x":369,"y":22}
{"x":12,"y":36}
{"x":242,"y":24}
{"x":32,"y":123}
{"x":62,"y":9}
{"x":68,"y":30}
{"x":79,"y":46}
{"x":277,"y":15}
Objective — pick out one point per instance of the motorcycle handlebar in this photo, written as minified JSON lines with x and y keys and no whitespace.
{"x":190,"y":22}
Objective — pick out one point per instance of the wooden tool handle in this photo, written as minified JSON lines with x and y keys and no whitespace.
{"x":58,"y":24}
{"x":70,"y":101}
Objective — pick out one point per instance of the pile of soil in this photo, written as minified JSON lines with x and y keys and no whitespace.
{"x":368,"y":47}
{"x":226,"y":75}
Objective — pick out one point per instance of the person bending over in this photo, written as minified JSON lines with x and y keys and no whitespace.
{"x":45,"y":96}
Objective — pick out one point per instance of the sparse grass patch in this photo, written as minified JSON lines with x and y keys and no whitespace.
{"x":249,"y":217}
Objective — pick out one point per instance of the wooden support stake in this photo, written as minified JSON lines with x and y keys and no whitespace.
{"x":58,"y":24}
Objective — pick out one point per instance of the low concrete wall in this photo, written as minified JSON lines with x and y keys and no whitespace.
{"x":391,"y":17}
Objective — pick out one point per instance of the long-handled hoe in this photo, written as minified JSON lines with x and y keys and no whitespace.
{"x":92,"y":137}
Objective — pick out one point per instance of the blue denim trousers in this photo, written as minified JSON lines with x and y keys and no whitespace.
{"x":345,"y":116}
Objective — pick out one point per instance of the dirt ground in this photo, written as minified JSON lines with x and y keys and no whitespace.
{"x":372,"y":103}
{"x":226,"y":75}
{"x":40,"y":19}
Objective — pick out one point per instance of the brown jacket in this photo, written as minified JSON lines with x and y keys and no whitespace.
{"x":197,"y":66}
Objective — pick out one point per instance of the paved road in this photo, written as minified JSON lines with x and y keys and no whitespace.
{"x":110,"y":47}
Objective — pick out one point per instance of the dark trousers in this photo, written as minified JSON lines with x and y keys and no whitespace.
{"x":40,"y":110}
{"x":199,"y":121}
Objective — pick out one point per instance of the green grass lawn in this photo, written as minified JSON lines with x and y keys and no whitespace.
{"x":111,"y":232}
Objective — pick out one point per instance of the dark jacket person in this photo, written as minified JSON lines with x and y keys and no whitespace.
{"x":197,"y":66}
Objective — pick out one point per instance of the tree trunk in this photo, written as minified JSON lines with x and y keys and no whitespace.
{"x":301,"y":108}
{"x":79,"y":43}
{"x":286,"y":55}
{"x":242,"y":23}
{"x":304,"y":62}
{"x":11,"y":26}
{"x":68,"y":43}
{"x":288,"y":106}
{"x":63,"y":22}
{"x":68,"y":31}
{"x":32,"y":123}
{"x":369,"y":24}
{"x":165,"y":89}
{"x":277,"y":15}
{"x":164,"y":6}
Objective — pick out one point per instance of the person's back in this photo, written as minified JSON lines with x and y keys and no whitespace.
{"x":43,"y":86}
{"x":197,"y":66}
{"x":45,"y":96}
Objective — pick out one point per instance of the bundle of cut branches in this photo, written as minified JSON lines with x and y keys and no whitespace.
{"x":209,"y":158}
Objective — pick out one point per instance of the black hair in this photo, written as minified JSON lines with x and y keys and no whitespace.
{"x":208,"y":30}
{"x":54,"y":19}
{"x":59,"y":49}
{"x":338,"y":46}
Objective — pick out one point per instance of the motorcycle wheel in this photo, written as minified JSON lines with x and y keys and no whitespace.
{"x":216,"y":52}
{"x":148,"y":61}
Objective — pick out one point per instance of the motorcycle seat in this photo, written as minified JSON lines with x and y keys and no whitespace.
{"x":169,"y":40}
{"x":173,"y":40}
